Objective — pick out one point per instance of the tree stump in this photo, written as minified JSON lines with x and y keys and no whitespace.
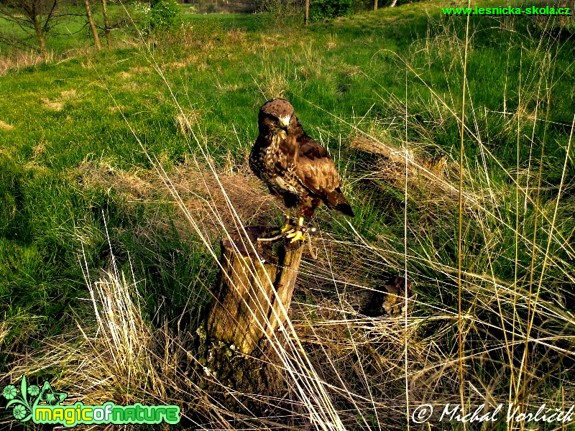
{"x":254,"y":289}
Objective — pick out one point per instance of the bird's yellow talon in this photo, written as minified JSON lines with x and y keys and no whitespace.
{"x":288,"y":227}
{"x":298,"y":235}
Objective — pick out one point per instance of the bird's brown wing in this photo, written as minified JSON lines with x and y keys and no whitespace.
{"x":317,"y":173}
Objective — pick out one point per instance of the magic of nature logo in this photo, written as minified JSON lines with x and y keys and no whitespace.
{"x":43,"y":405}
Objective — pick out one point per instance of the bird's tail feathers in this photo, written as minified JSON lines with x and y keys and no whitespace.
{"x":337,"y":201}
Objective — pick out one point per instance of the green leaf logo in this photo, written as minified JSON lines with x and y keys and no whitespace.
{"x":10,"y":392}
{"x":23,"y":400}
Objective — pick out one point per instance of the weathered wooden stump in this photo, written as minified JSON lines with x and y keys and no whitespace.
{"x":254,"y":289}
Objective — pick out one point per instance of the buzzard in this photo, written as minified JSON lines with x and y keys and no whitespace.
{"x":294,"y":166}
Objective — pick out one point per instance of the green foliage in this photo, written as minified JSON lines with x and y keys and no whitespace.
{"x":164,"y":14}
{"x":320,"y":10}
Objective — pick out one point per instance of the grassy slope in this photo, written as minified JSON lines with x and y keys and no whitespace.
{"x":343,"y":77}
{"x":62,"y":115}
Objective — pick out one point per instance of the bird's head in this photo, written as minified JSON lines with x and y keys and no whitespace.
{"x":276,"y":115}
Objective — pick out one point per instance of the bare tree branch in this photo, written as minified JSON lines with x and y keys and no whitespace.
{"x":31,"y":15}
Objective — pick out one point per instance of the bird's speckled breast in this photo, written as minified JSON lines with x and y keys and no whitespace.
{"x":279,"y":169}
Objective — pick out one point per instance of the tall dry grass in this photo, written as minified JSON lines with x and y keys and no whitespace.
{"x":487,"y":247}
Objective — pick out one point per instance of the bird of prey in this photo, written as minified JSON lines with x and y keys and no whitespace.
{"x":294,"y":166}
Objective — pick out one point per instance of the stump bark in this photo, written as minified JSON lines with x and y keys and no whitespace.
{"x":252,"y":289}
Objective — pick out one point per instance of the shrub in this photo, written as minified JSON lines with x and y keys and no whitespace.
{"x":164,"y":14}
{"x":283,"y":14}
{"x":325,"y":9}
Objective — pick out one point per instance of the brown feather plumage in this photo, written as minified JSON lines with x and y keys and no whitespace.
{"x":292,"y":164}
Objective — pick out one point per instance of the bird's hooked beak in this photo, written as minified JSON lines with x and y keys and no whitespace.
{"x":284,"y":122}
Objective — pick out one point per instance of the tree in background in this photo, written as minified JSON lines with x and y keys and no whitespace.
{"x":35,"y":16}
{"x":92,"y":25}
{"x":107,"y":27}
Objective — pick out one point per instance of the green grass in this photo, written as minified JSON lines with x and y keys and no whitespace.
{"x":72,"y":169}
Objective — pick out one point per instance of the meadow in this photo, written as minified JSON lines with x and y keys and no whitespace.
{"x":121,"y":170}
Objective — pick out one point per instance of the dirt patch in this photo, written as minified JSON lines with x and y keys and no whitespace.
{"x":39,"y":150}
{"x":124,"y":75}
{"x":58,"y":104}
{"x":132,"y":185}
{"x":52,"y":105}
{"x":212,"y":201}
{"x":69,"y":94}
{"x":175,"y":65}
{"x":117,"y":108}
{"x":138,"y":70}
{"x":134,"y":86}
{"x":6,"y":126}
{"x":215,"y":200}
